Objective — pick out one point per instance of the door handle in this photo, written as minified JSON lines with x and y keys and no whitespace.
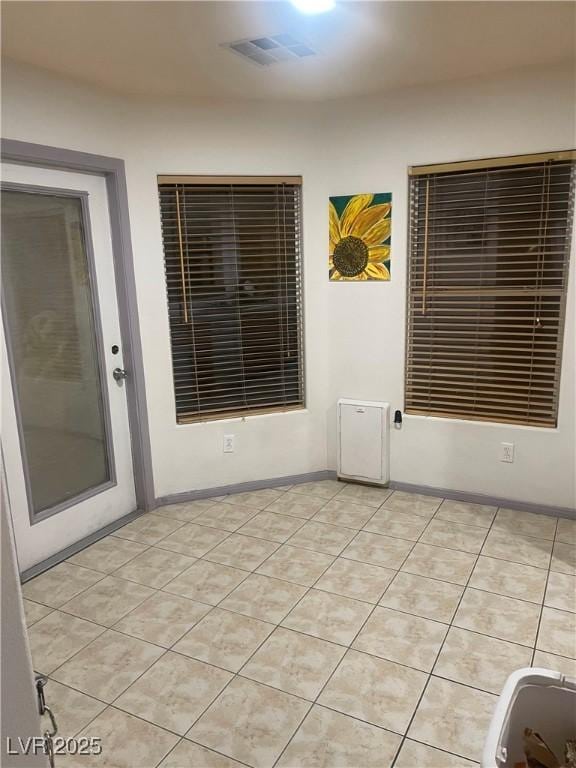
{"x":119,"y":375}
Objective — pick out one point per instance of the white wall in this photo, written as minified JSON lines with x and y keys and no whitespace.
{"x":375,"y":142}
{"x":248,"y":140}
{"x":354,"y":332}
{"x":162,"y":138}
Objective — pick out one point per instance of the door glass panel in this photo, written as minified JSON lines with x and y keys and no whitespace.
{"x":51,"y":334}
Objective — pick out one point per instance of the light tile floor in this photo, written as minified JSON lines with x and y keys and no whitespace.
{"x":326,"y":625}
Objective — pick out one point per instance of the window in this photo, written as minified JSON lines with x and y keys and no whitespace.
{"x":489,"y":247}
{"x":234,"y":280}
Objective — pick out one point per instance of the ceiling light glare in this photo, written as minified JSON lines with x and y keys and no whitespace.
{"x":313,"y":6}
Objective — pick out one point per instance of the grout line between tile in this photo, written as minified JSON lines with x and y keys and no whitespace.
{"x":237,"y":675}
{"x":337,"y":667}
{"x":275,"y":626}
{"x":440,"y":749}
{"x":234,"y":674}
{"x":537,"y":636}
{"x":103,"y":575}
{"x":211,"y":749}
{"x":135,"y":608}
{"x":431,"y":673}
{"x":109,"y":704}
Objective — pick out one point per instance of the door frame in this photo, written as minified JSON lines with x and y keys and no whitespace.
{"x":114,"y":172}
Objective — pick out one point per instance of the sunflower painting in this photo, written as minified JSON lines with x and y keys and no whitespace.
{"x":360,"y":228}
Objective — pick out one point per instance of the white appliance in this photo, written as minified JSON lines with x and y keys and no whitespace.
{"x":364,"y":441}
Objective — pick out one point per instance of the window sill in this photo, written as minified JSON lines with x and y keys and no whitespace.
{"x":238,"y":417}
{"x":479,"y":422}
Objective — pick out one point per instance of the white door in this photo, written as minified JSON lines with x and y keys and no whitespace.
{"x":65,"y":433}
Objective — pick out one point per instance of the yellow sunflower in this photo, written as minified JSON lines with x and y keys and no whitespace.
{"x":357,"y":251}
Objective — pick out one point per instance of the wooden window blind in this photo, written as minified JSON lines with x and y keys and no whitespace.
{"x":489,"y":248}
{"x":234,"y":280}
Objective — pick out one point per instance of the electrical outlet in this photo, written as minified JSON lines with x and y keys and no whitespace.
{"x":507,"y":452}
{"x":228,"y":446}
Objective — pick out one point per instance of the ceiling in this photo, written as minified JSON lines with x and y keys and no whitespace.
{"x":173,"y":49}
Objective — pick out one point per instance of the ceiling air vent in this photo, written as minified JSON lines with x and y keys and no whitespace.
{"x":271,"y":50}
